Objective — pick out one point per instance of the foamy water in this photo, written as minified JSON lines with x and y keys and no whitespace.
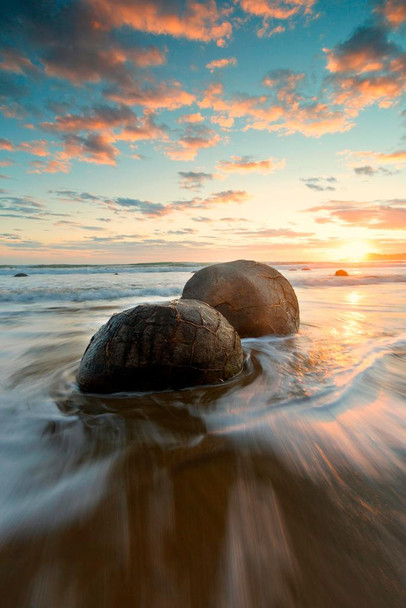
{"x":283,"y":487}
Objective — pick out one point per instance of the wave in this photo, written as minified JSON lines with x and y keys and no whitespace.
{"x":333,"y":281}
{"x":85,"y":294}
{"x":7,"y":270}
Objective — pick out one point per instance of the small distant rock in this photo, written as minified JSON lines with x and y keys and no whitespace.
{"x":255,"y":298}
{"x":116,"y":273}
{"x":21,"y":274}
{"x":164,"y":345}
{"x":306,"y":268}
{"x":341,"y":273}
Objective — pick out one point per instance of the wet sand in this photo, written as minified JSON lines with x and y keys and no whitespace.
{"x":284,"y":487}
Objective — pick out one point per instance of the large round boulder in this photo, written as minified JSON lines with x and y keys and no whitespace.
{"x":161,"y":345}
{"x":255,"y":298}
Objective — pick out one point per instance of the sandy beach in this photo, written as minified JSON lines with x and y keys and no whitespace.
{"x":282,"y":487}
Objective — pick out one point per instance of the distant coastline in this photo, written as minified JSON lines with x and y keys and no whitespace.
{"x":386,"y":256}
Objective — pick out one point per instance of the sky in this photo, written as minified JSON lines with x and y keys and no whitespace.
{"x":169,"y":130}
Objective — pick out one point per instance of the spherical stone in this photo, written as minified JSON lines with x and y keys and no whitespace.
{"x":161,"y":345}
{"x":255,"y":298}
{"x":21,"y":274}
{"x":341,"y":273}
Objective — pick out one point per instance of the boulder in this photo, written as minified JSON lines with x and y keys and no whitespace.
{"x":161,"y":345}
{"x":341,"y":273}
{"x":255,"y":298}
{"x":21,"y":274}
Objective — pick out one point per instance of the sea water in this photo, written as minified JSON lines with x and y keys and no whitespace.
{"x":283,"y":487}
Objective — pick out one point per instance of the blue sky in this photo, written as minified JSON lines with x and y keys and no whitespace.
{"x":166,"y":130}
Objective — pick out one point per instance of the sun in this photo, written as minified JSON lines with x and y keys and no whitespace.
{"x":353,"y":251}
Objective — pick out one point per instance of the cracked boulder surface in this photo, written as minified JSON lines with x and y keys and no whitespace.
{"x":164,"y":345}
{"x":255,"y":298}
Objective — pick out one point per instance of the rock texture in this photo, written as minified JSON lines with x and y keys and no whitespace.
{"x":256,"y":299}
{"x":341,"y":273}
{"x":161,"y":345}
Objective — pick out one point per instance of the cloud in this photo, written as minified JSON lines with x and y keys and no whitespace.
{"x":193,"y":180}
{"x":194,"y":138}
{"x":221,"y":63}
{"x":94,"y":148}
{"x":169,"y":96}
{"x":376,"y":215}
{"x":36,"y":148}
{"x":394,"y":11}
{"x":50,"y":166}
{"x":367,"y":68}
{"x":202,"y":21}
{"x":246,"y":164}
{"x":144,"y":207}
{"x":369,"y":171}
{"x":374,"y":160}
{"x":191,"y":118}
{"x":218,"y":198}
{"x":270,"y":10}
{"x":5,"y":144}
{"x":12,"y":61}
{"x":285,"y":109}
{"x":20,"y":206}
{"x":150,"y":209}
{"x":98,"y":117}
{"x":319,"y":184}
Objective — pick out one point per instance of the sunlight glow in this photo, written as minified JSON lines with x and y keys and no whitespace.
{"x":354,"y":251}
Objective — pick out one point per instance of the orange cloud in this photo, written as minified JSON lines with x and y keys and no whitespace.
{"x":276,"y":9}
{"x":284,"y":110}
{"x":245,"y":164}
{"x":92,"y":148}
{"x":168,"y":96}
{"x":5,"y":144}
{"x":191,"y":118}
{"x":50,"y":166}
{"x":396,"y":159}
{"x":12,"y":61}
{"x":37,"y":148}
{"x":388,"y":215}
{"x":394,"y":11}
{"x":195,"y":138}
{"x":202,"y":21}
{"x":367,"y":69}
{"x":221,"y":63}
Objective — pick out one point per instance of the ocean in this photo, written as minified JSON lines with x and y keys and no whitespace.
{"x":284,"y":487}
